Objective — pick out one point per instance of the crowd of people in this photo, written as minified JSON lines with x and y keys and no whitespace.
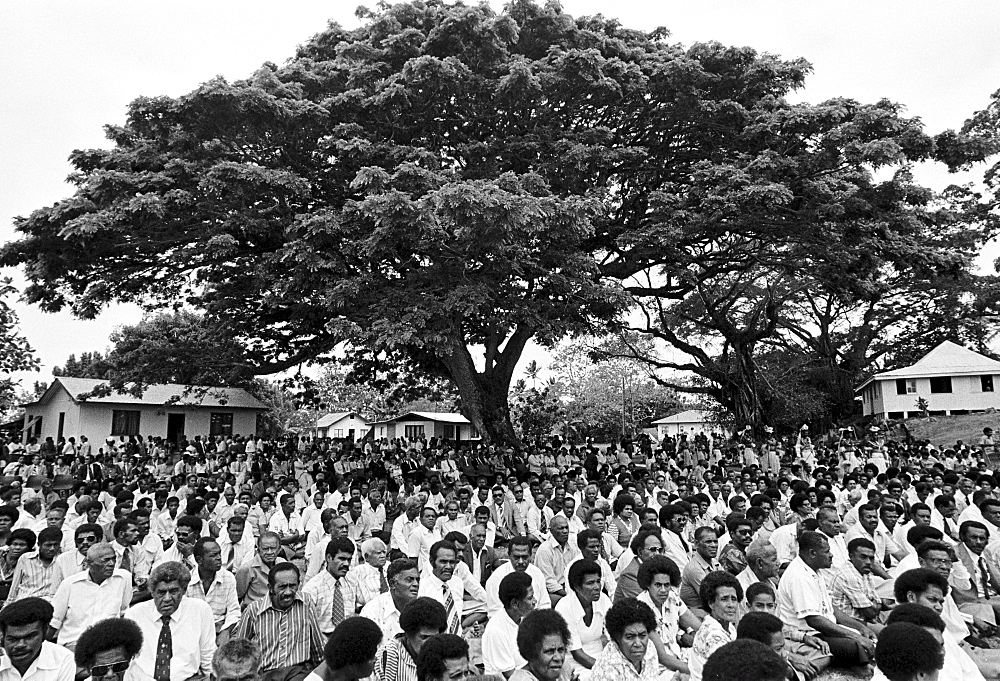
{"x":704,"y":558}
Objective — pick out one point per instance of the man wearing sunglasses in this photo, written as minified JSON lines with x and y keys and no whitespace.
{"x":24,"y":624}
{"x":106,"y":649}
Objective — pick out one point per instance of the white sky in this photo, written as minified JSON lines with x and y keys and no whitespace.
{"x":69,"y":67}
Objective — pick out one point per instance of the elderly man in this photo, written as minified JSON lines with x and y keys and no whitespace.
{"x":251,"y":578}
{"x":23,"y":625}
{"x":762,"y":565}
{"x":237,"y":660}
{"x":285,"y":628}
{"x":178,"y":633}
{"x":404,"y":525}
{"x":87,"y":597}
{"x":554,"y":556}
{"x":368,"y":578}
{"x":404,"y":584}
{"x":423,"y":536}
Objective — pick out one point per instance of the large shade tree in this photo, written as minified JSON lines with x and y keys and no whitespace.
{"x":446,"y":183}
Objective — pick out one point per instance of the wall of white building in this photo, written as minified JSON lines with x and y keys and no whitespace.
{"x":967,"y":395}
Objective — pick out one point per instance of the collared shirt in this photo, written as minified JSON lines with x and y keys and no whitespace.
{"x":710,"y":637}
{"x":382,"y":611}
{"x":137,"y":558}
{"x":67,"y":564}
{"x":152,"y":546}
{"x":552,"y":559}
{"x":884,"y":543}
{"x":419,"y":544}
{"x":394,"y":662}
{"x":286,"y":637}
{"x":667,"y":618}
{"x":80,"y":602}
{"x":192,"y":633}
{"x":286,"y":527}
{"x":358,"y":530}
{"x":32,"y":577}
{"x":54,"y":663}
{"x":433,"y":587}
{"x":311,"y":521}
{"x":319,"y":592}
{"x":733,"y":559}
{"x":241,"y":552}
{"x":493,"y":605}
{"x":499,"y":643}
{"x":221,"y":597}
{"x":694,"y":573}
{"x":611,"y":665}
{"x":608,"y":581}
{"x":251,"y":580}
{"x":401,"y":529}
{"x":366,"y":581}
{"x":173,"y":554}
{"x":850,"y":591}
{"x":803,"y":593}
{"x":590,"y":639}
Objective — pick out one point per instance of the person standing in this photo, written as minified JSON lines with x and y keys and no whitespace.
{"x":178,"y":633}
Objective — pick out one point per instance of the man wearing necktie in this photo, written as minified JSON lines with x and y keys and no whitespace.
{"x":943,"y":516}
{"x":178,"y":632}
{"x":330,"y":594}
{"x":981,"y":562}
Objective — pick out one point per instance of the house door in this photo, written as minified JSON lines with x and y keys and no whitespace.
{"x":62,"y":423}
{"x":350,"y":435}
{"x":175,"y":428}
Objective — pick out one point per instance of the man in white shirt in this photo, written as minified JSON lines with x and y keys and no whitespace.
{"x":100,"y":592}
{"x":71,"y":562}
{"x":442,"y":584}
{"x":423,"y":536}
{"x":187,"y":623}
{"x":404,"y":584}
{"x":500,"y":653}
{"x":554,"y":555}
{"x":404,"y":525}
{"x":368,"y":577}
{"x":287,"y":523}
{"x":804,"y":603}
{"x":24,"y":625}
{"x":216,"y":586}
{"x":539,"y":519}
{"x":519,"y":553}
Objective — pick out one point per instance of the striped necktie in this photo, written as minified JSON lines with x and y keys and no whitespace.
{"x":449,"y":606}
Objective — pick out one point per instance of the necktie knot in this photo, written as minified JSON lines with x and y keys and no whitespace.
{"x":166,"y":620}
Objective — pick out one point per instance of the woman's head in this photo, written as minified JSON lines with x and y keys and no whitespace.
{"x":628,"y":623}
{"x":624,"y":504}
{"x":542,"y":638}
{"x":585,"y":579}
{"x":721,"y":594}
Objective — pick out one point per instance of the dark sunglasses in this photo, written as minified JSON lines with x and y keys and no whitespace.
{"x":101,"y":670}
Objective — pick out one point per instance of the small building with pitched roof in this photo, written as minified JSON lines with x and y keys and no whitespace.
{"x":341,"y":425}
{"x":690,"y":422}
{"x":416,"y":425}
{"x":953,"y":379}
{"x":70,"y":408}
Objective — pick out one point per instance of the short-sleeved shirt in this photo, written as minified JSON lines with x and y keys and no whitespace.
{"x":667,"y":619}
{"x":850,"y":591}
{"x":500,"y":652}
{"x":802,"y":593}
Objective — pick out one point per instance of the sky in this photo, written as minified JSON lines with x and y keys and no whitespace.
{"x":70,"y":67}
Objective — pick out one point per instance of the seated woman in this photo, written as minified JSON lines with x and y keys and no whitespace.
{"x":542,"y":640}
{"x":584,"y":610}
{"x":721,"y":595}
{"x":628,"y":656}
{"x":659,"y":578}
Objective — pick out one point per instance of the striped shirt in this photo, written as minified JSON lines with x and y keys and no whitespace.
{"x":318,"y":593}
{"x":33,"y":578}
{"x":394,"y":662}
{"x":221,"y":596}
{"x":286,"y":637}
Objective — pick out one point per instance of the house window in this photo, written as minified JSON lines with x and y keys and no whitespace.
{"x":987,"y":383}
{"x":473,"y":433}
{"x":338,"y":432}
{"x":906,"y":386}
{"x":221,"y":423}
{"x":38,"y":427}
{"x":940,"y":384}
{"x":413,"y":432}
{"x":449,"y":431}
{"x":876,"y":390}
{"x":124,"y":422}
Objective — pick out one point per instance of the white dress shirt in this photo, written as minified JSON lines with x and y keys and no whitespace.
{"x":80,"y":602}
{"x":192,"y":632}
{"x":493,"y":605}
{"x":54,"y":663}
{"x":382,"y":611}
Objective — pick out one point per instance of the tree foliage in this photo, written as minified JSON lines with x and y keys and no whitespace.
{"x":446,"y":183}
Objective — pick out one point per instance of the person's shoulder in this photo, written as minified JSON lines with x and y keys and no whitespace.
{"x":56,"y":653}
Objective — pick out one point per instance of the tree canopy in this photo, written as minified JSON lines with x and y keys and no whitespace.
{"x":446,"y":183}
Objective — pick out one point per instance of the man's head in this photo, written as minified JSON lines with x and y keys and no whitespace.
{"x":24,"y":625}
{"x":267,"y":547}
{"x":828,"y":521}
{"x":559,"y":527}
{"x":339,"y":554}
{"x":421,"y":619}
{"x":444,"y":657}
{"x":85,"y":536}
{"x":283,"y":585}
{"x":428,"y":516}
{"x":861,"y":553}
{"x":814,"y":550}
{"x":350,"y":650}
{"x":706,"y":542}
{"x":168,"y":582}
{"x":208,"y":555}
{"x":477,"y":536}
{"x":974,"y":535}
{"x":403,"y":578}
{"x":107,"y":648}
{"x":745,"y":660}
{"x":238,"y":659}
{"x":519,"y":552}
{"x":101,"y":560}
{"x":908,"y":652}
{"x":762,"y":559}
{"x":922,"y":586}
{"x":443,"y":557}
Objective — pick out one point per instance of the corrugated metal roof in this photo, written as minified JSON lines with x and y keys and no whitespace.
{"x":689,"y":416}
{"x":947,"y":359}
{"x":330,"y":419}
{"x":439,"y":416}
{"x":232,"y":398}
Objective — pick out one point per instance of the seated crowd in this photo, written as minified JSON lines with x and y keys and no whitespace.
{"x":716,"y":561}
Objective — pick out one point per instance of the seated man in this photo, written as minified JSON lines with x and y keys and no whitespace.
{"x":804,"y":603}
{"x":806,"y":654}
{"x":236,"y":660}
{"x":420,"y":620}
{"x":907,"y":652}
{"x":109,"y":647}
{"x":852,"y":588}
{"x":349,"y":654}
{"x":24,"y":625}
{"x":444,"y":657}
{"x":744,"y":660}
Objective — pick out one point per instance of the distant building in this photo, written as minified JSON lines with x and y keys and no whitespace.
{"x":426,"y":424}
{"x":690,"y":422}
{"x":341,"y":425}
{"x":954,"y":380}
{"x":162,"y":411}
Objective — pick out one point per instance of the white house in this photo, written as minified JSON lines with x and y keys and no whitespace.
{"x":426,"y":424}
{"x":954,"y":380}
{"x":690,"y":422}
{"x":341,"y":424}
{"x":162,"y":411}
